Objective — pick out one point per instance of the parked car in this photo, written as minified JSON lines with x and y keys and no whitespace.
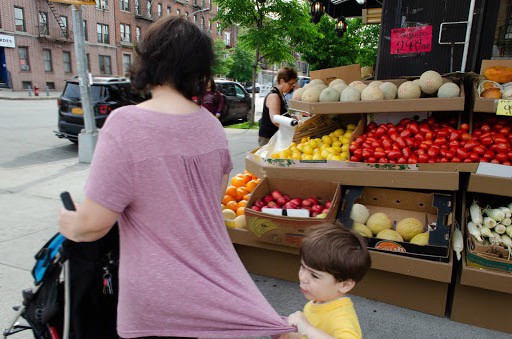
{"x":107,"y":94}
{"x":237,"y":101}
{"x":248,"y":88}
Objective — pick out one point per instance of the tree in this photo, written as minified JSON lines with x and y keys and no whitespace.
{"x":359,"y":45}
{"x":241,"y":65}
{"x":222,"y":60}
{"x":272,"y":29}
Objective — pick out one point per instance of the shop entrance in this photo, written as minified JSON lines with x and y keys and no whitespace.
{"x":3,"y":69}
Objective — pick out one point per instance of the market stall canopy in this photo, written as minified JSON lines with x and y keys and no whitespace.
{"x":348,"y":8}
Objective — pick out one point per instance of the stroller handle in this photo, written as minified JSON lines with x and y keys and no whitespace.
{"x":67,"y":201}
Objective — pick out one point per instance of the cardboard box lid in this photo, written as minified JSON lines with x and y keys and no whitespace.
{"x":347,"y":73}
{"x":486,"y":279}
{"x":443,"y":181}
{"x":490,"y":185}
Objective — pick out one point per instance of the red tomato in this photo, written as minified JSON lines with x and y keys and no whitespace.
{"x":485,"y":128}
{"x":440,"y":141}
{"x":401,"y":160}
{"x":423,"y":158}
{"x":400,"y":142}
{"x":383,"y":160}
{"x":455,"y":159}
{"x":488,"y":155}
{"x":501,"y":157}
{"x":413,"y":127}
{"x":502,"y":148}
{"x":412,"y":160}
{"x":461,"y":153}
{"x":474,"y":157}
{"x":464,"y":127}
{"x":480,"y":150}
{"x":394,"y":154}
{"x":433,"y":152}
{"x":455,"y":135}
{"x":405,"y":133}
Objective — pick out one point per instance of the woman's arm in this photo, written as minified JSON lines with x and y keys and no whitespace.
{"x":274,"y":106}
{"x":224,"y":185}
{"x":90,"y":222}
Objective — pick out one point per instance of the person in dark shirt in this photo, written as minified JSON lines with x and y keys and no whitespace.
{"x":212,"y":99}
{"x":275,"y":104}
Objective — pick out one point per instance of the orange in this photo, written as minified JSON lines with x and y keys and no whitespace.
{"x":242,"y":203}
{"x":247,"y":196}
{"x":241,"y":192}
{"x":237,"y":181}
{"x":232,"y":205}
{"x":251,"y":185}
{"x":246,"y":177}
{"x":240,"y":211}
{"x":231,"y":190}
{"x":226,"y":199}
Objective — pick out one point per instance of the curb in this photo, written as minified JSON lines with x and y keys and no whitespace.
{"x":28,"y":98}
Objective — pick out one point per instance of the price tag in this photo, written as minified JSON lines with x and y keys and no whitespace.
{"x":504,"y":107}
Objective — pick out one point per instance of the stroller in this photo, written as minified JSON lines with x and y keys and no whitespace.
{"x":75,"y":292}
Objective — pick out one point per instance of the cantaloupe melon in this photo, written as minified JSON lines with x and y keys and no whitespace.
{"x":355,"y":83}
{"x":409,"y":90}
{"x":340,"y":87}
{"x":430,"y":81}
{"x":336,"y":81}
{"x":448,"y":90}
{"x":312,"y":93}
{"x":361,"y":87}
{"x":389,"y":89}
{"x":372,"y":93}
{"x":297,"y":95}
{"x":375,"y":83}
{"x":316,"y":82}
{"x":350,"y":94}
{"x":329,"y":95}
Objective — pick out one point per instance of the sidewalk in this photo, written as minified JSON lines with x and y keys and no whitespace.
{"x":7,"y":94}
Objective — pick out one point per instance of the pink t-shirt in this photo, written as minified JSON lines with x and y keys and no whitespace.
{"x":179,"y":274}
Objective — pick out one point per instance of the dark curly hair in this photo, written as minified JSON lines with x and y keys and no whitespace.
{"x":173,"y":52}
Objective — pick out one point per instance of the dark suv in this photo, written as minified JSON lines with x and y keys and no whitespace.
{"x":237,"y":102}
{"x":107,"y":94}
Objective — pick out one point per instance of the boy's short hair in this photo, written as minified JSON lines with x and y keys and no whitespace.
{"x":286,"y":73}
{"x":173,"y":52}
{"x":334,"y":249}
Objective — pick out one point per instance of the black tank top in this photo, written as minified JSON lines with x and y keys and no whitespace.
{"x":267,"y":128}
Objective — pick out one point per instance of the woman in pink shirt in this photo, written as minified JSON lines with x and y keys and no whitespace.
{"x":160,"y":169}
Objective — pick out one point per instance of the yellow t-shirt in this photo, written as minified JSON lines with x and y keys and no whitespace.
{"x":337,"y":318}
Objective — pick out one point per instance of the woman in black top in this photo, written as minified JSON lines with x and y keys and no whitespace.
{"x":275,"y":104}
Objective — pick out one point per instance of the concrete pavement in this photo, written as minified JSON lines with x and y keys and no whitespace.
{"x":29,"y":202}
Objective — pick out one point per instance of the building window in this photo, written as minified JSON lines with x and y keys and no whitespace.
{"x":124,"y":5}
{"x":50,"y":85}
{"x":43,"y":23}
{"x":202,"y":23}
{"x":178,"y":12}
{"x":103,"y":33}
{"x":137,"y":33}
{"x":137,"y":7}
{"x":66,"y":61}
{"x":24,"y":62}
{"x":148,"y":7}
{"x":47,"y":60}
{"x":159,"y":10}
{"x":127,"y":63}
{"x":125,"y":32}
{"x":19,"y":19}
{"x":219,"y":31}
{"x":64,"y":28}
{"x":86,"y":36}
{"x":102,"y":4}
{"x":105,"y":67}
{"x":186,"y":15}
{"x":227,"y":38}
{"x":210,"y":26}
{"x":195,"y":19}
{"x":168,"y":10}
{"x":88,"y":61}
{"x":26,"y":84}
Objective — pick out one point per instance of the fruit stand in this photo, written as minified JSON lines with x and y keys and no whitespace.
{"x":439,"y":146}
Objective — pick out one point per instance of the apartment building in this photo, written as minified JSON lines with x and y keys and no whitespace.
{"x":36,"y":37}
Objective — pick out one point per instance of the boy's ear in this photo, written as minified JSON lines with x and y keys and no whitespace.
{"x":345,"y":286}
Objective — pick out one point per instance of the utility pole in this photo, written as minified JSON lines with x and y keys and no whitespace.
{"x":88,"y":137}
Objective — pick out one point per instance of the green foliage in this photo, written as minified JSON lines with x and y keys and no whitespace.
{"x":359,"y":45}
{"x":223,"y":61}
{"x":244,"y":125}
{"x":242,"y":59}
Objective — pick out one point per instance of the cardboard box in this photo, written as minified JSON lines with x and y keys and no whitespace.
{"x":482,"y":297}
{"x":412,"y":283}
{"x":347,"y":73}
{"x":428,"y":104}
{"x":284,"y":230}
{"x":429,"y":208}
{"x":485,"y":104}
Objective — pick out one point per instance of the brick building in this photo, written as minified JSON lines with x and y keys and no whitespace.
{"x":36,"y":37}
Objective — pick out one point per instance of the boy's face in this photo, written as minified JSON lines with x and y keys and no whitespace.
{"x":320,"y":286}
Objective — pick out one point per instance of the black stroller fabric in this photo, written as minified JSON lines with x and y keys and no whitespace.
{"x":93,"y":305}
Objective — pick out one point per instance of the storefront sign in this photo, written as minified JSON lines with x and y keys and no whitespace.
{"x":411,"y":40}
{"x":76,"y":2}
{"x":7,"y":41}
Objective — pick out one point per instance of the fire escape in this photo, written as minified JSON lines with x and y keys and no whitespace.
{"x":45,"y":34}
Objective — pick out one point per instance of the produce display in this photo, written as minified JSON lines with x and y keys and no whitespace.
{"x":430,"y":84}
{"x":496,"y":83}
{"x":491,"y":226}
{"x":279,"y":200}
{"x":433,"y":141}
{"x":236,"y":198}
{"x":332,"y":146}
{"x":379,"y":225}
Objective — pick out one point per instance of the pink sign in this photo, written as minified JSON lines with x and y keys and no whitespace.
{"x":411,"y":40}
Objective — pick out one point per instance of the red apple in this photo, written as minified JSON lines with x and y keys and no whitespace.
{"x":307,"y":203}
{"x":276,"y":194}
{"x":297,"y":201}
{"x":256,"y":208}
{"x":259,"y":204}
{"x":271,"y":204}
{"x":314,"y":200}
{"x":290,"y":205}
{"x":281,"y":201}
{"x":317,"y":209}
{"x":325,"y":210}
{"x":266,"y":199}
{"x":328,"y":204}
{"x":313,"y":214}
{"x":287,"y":197}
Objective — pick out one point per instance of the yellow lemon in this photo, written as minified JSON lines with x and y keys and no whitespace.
{"x":345,"y":147}
{"x":339,"y":132}
{"x":313,"y":143}
{"x":337,"y":143}
{"x":306,"y":157}
{"x":307,"y":150}
{"x":326,"y":140}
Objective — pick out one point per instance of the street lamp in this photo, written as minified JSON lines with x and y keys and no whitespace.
{"x":317,"y":10}
{"x":341,"y":26}
{"x":201,"y":10}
